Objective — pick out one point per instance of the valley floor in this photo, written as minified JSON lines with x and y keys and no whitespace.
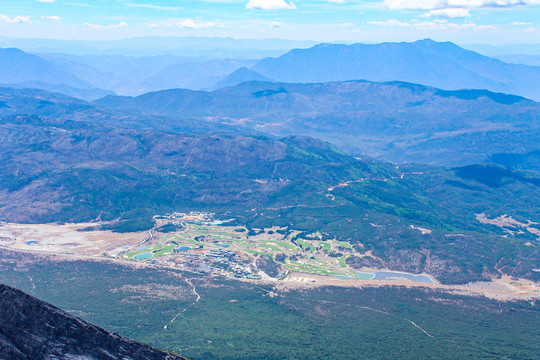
{"x":205,"y":246}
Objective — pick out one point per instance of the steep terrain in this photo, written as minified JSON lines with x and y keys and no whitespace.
{"x":394,"y":121}
{"x":439,"y":64}
{"x":31,"y":329}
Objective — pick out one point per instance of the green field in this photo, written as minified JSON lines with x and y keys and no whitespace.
{"x":267,"y":242}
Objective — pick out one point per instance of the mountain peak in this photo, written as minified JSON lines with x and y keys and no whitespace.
{"x":443,"y":65}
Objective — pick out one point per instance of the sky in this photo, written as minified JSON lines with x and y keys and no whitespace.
{"x":494,"y":22}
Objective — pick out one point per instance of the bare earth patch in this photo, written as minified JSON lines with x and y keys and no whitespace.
{"x":66,"y":239}
{"x":505,"y":222}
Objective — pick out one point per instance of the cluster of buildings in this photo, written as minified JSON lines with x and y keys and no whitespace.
{"x":216,"y":260}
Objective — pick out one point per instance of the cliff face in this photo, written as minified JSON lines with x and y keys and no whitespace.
{"x":32,"y":329}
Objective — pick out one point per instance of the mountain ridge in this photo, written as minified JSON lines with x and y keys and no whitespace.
{"x":393,"y":121}
{"x":440,"y":64}
{"x":31,"y":329}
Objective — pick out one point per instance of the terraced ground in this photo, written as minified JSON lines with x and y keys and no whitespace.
{"x":313,"y":256}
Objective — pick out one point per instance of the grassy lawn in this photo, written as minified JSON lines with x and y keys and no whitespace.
{"x":283,"y":244}
{"x":344,"y":244}
{"x":130,"y":255}
{"x":257,"y":252}
{"x":165,"y":251}
{"x":269,"y":247}
{"x":342,"y":260}
{"x":326,"y":246}
{"x":306,"y":245}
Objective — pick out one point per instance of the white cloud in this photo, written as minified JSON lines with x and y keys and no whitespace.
{"x":269,"y":5}
{"x":275,"y":24}
{"x":337,"y":1}
{"x":521,"y":23}
{"x":155,"y":7}
{"x":193,"y":24}
{"x":437,"y":24}
{"x":391,"y":22}
{"x":14,"y":20}
{"x":50,"y":17}
{"x":46,"y":1}
{"x":452,"y":13}
{"x":445,"y":4}
{"x":122,"y":24}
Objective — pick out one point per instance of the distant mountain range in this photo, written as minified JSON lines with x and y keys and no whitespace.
{"x":32,"y":329}
{"x":440,"y":64}
{"x":194,"y":75}
{"x":22,"y":69}
{"x":398,"y":122}
{"x":207,"y":47}
{"x":239,"y":76}
{"x":393,"y":121}
{"x":86,"y":76}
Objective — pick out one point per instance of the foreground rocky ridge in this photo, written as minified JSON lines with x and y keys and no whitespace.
{"x":33,"y":329}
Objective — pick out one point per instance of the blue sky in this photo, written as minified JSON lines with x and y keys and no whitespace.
{"x":463,"y":21}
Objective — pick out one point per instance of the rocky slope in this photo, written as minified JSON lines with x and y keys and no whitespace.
{"x":31,"y":329}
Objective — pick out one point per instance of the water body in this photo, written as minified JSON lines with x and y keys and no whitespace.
{"x":223,"y":245}
{"x":31,"y":242}
{"x":142,"y":256}
{"x":389,"y":275}
{"x":145,"y":247}
{"x":359,"y":276}
{"x":394,"y":275}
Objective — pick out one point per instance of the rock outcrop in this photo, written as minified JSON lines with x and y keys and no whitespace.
{"x":31,"y":329}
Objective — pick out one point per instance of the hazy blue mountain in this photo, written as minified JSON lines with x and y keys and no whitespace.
{"x":122,"y":74}
{"x":34,"y":102}
{"x":194,"y":75}
{"x":239,"y":76}
{"x":83,"y":94}
{"x":532,"y":60}
{"x":127,"y":75}
{"x":16,"y":66}
{"x":440,"y":64}
{"x":212,"y":47}
{"x":118,"y":74}
{"x":510,"y":49}
{"x":395,"y":121}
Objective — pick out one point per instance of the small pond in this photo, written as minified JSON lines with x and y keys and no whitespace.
{"x":142,"y":256}
{"x":394,"y":275}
